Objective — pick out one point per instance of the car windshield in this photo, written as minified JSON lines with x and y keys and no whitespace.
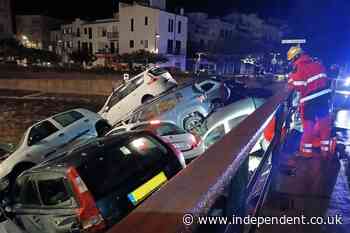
{"x":157,"y":71}
{"x":68,"y":118}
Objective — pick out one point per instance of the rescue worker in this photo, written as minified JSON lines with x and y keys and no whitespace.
{"x":309,"y":78}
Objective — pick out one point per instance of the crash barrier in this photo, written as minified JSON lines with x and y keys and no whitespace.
{"x":217,"y":180}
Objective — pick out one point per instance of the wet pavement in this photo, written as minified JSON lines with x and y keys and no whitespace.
{"x":19,"y":110}
{"x":319,"y":188}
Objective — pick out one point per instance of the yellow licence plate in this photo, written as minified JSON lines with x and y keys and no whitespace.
{"x":147,"y":188}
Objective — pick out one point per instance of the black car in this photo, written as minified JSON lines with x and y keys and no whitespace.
{"x":95,"y":185}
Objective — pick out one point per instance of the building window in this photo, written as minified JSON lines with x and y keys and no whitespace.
{"x":171,"y":25}
{"x":132,"y":25}
{"x":78,"y":32}
{"x":85,"y":31}
{"x":146,"y":44}
{"x":90,"y":33}
{"x":112,"y":47}
{"x":79,"y":45}
{"x":179,"y":27}
{"x":90,"y":48}
{"x":177,"y":47}
{"x":85,"y":46}
{"x":146,"y":20}
{"x":170,"y":46}
{"x":131,"y":44}
{"x":222,"y":33}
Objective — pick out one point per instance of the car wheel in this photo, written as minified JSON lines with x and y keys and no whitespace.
{"x":147,"y":98}
{"x":193,"y":122}
{"x":217,"y":103}
{"x":17,"y":170}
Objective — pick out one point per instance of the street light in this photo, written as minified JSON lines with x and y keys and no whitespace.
{"x":157,"y":36}
{"x":199,"y":54}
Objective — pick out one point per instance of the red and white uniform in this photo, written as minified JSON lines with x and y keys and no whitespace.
{"x":310,"y":79}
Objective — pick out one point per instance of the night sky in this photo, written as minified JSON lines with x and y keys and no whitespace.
{"x":325,"y":23}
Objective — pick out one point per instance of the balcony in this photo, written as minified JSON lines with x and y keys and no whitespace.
{"x":112,"y":35}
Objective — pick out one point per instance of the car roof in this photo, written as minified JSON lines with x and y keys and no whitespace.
{"x":80,"y":153}
{"x":132,"y":125}
{"x":224,"y":112}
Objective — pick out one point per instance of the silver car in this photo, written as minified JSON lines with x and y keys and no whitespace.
{"x":185,"y":106}
{"x":43,"y":139}
{"x":136,"y":91}
{"x":221,"y":122}
{"x":187,"y":143}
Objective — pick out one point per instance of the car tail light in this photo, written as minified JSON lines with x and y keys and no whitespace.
{"x":196,"y":140}
{"x":153,"y":80}
{"x":178,"y":154}
{"x":89,"y":215}
{"x":155,"y":122}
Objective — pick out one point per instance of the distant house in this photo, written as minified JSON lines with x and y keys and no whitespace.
{"x":34,"y":30}
{"x":139,"y":25}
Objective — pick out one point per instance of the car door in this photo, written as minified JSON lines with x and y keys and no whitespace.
{"x":27,"y":204}
{"x":44,"y":139}
{"x":58,"y":210}
{"x":74,"y":125}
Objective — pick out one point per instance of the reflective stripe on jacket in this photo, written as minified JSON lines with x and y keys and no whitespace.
{"x":309,"y":78}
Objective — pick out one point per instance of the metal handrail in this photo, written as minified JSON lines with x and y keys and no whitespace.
{"x":195,"y":189}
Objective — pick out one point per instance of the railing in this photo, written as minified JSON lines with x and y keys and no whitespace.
{"x":222,"y":171}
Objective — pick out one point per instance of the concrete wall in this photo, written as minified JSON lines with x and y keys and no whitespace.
{"x":50,"y":82}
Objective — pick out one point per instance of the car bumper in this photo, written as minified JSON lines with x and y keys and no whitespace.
{"x":191,"y":154}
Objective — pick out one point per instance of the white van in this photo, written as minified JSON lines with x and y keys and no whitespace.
{"x":135,"y":92}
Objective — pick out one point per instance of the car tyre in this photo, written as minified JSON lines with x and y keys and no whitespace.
{"x":193,"y":122}
{"x":147,"y":98}
{"x":217,"y":103}
{"x":17,"y":170}
{"x":102,"y":127}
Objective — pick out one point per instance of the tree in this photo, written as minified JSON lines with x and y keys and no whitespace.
{"x":10,"y":47}
{"x":81,"y":56}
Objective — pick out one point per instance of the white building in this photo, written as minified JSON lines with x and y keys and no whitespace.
{"x":151,"y":28}
{"x":137,"y":26}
